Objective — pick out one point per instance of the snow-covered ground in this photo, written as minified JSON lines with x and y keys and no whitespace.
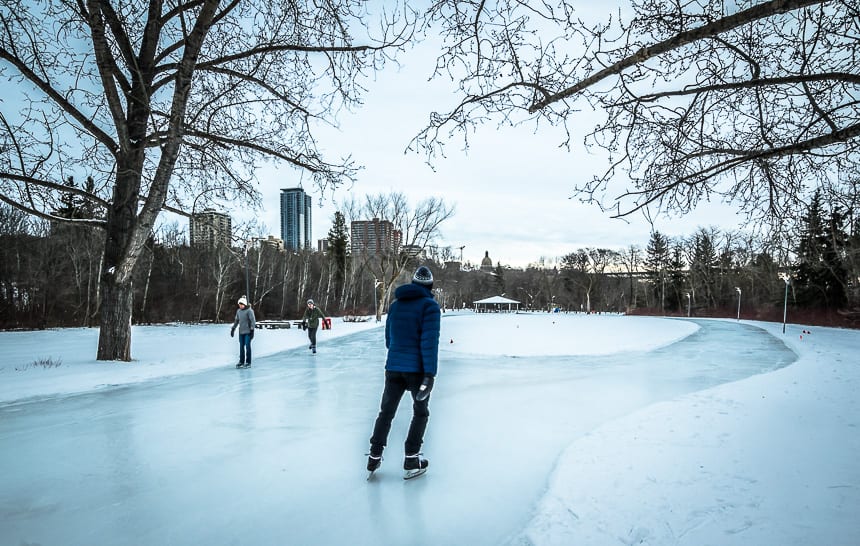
{"x":156,"y":351}
{"x":771,"y":459}
{"x":545,"y":429}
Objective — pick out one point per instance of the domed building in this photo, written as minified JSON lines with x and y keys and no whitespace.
{"x":487,"y":263}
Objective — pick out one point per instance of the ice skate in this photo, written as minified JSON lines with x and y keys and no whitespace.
{"x":414,"y":466}
{"x":373,"y":462}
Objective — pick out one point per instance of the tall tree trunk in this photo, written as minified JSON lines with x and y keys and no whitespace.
{"x":115,"y":327}
{"x":284,"y":295}
{"x":303,"y":283}
{"x":328,"y":274}
{"x":348,"y":284}
{"x":120,"y":258}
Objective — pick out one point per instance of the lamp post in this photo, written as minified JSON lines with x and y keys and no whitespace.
{"x":247,"y":274}
{"x":738,"y":290}
{"x":688,"y":304}
{"x":663,"y":291}
{"x":248,"y":243}
{"x":376,"y":284}
{"x":787,"y":278}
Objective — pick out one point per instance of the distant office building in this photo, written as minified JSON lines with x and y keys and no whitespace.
{"x":322,"y":245}
{"x":296,"y":218}
{"x":413,"y":251}
{"x":374,"y":237}
{"x":272,"y":242}
{"x":210,"y":228}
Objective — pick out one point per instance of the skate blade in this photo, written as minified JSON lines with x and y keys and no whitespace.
{"x":370,"y":475}
{"x":410,"y":474}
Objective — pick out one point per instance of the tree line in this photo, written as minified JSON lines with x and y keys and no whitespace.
{"x":49,"y":271}
{"x":172,"y":106}
{"x":711,"y":272}
{"x":49,"y":274}
{"x":49,"y":277}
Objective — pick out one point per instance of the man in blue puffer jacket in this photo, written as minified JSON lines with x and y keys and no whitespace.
{"x":412,"y":340}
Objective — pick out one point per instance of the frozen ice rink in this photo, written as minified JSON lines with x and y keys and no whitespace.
{"x":276,"y":454}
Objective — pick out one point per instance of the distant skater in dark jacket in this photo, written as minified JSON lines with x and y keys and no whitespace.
{"x":412,"y":340}
{"x":311,"y":320}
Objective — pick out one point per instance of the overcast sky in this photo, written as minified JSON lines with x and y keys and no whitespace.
{"x":512,"y":190}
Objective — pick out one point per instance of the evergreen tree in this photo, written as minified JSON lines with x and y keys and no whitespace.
{"x":656,"y":265}
{"x":499,"y":278}
{"x":677,"y":279}
{"x":852,"y":262}
{"x":338,"y":249}
{"x":703,"y":268}
{"x":69,"y":201}
{"x":835,"y":249}
{"x":73,"y":205}
{"x":820,"y":273}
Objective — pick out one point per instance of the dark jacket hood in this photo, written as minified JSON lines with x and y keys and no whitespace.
{"x":412,"y":291}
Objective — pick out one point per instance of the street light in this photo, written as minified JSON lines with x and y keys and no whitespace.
{"x":248,"y":243}
{"x":787,"y":278}
{"x":247,"y":274}
{"x":376,"y":284}
{"x":663,"y":291}
{"x":688,"y":304}
{"x":738,"y":290}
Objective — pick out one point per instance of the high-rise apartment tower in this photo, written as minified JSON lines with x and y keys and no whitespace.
{"x":295,"y":218}
{"x":210,"y":228}
{"x":374,"y":237}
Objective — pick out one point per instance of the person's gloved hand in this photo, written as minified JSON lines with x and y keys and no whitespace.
{"x":232,"y":331}
{"x":252,"y":334}
{"x":425,"y":388}
{"x":304,"y":325}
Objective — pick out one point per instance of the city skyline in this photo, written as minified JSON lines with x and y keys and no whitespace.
{"x":512,"y":186}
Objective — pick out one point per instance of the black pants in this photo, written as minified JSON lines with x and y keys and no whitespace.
{"x":396,"y":383}
{"x":312,"y":335}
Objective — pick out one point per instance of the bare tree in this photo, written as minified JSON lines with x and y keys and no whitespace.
{"x":631,"y":260}
{"x":164,"y":102}
{"x":416,"y":228}
{"x":754,"y":101}
{"x":266,"y":262}
{"x":222,"y":271}
{"x":586,"y":268}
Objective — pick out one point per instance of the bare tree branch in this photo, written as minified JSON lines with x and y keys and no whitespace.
{"x":725,"y":24}
{"x":756,"y":102}
{"x":159,"y":101}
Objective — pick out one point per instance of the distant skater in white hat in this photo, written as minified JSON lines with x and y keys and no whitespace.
{"x":246,"y":322}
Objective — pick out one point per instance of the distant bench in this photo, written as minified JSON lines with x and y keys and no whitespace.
{"x":325,"y":324}
{"x":278,"y":324}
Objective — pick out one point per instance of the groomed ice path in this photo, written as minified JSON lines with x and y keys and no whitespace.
{"x":276,"y":454}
